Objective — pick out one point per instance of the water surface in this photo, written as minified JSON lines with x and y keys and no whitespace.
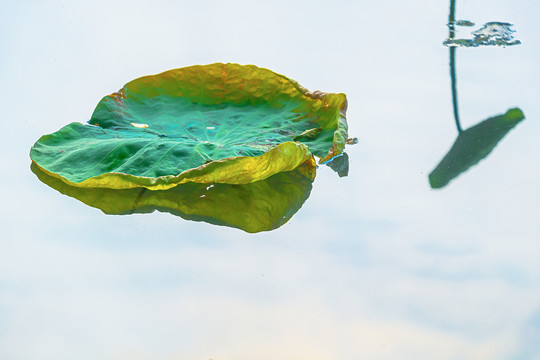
{"x":375,"y":265}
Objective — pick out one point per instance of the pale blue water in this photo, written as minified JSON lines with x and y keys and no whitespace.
{"x":375,"y":265}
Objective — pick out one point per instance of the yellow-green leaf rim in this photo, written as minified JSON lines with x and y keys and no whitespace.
{"x":218,"y":123}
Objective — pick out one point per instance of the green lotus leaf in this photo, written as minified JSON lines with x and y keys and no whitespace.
{"x":258,"y":206}
{"x":218,"y":123}
{"x":473,"y":145}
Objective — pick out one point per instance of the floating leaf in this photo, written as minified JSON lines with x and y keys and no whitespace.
{"x":472,"y":145}
{"x":219,"y":123}
{"x":258,"y":206}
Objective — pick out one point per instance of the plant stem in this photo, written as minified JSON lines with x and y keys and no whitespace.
{"x":454,"y":87}
{"x":452,"y":19}
{"x":451,"y":34}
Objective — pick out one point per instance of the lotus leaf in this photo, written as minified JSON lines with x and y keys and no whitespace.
{"x":218,"y":123}
{"x":473,"y":145}
{"x":258,"y":206}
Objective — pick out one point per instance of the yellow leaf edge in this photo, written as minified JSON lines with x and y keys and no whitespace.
{"x":237,"y":170}
{"x":337,"y":100}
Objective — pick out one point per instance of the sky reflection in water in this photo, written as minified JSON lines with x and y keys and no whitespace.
{"x":374,"y":265}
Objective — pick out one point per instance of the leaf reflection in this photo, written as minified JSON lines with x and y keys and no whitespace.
{"x":475,"y":143}
{"x":259,"y":206}
{"x":340,"y":164}
{"x":472,"y":145}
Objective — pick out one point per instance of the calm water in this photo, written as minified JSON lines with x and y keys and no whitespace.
{"x":376,"y":265}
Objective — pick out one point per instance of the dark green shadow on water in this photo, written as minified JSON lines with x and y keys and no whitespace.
{"x":259,"y":206}
{"x":475,"y":143}
{"x":472,"y":145}
{"x":340,"y":164}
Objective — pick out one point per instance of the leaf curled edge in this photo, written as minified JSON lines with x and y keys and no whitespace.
{"x":238,"y":170}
